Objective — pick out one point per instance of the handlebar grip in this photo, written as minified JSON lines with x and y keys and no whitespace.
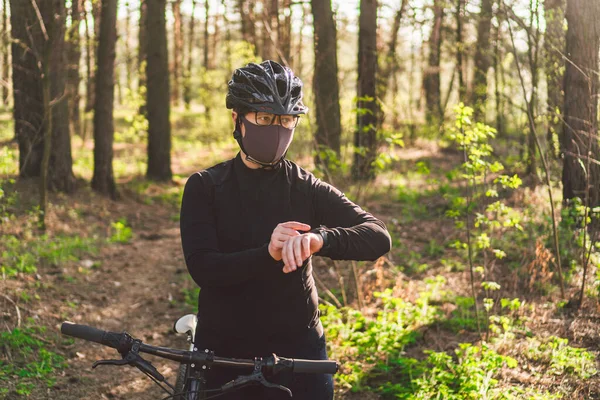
{"x":315,"y":366}
{"x":91,"y":334}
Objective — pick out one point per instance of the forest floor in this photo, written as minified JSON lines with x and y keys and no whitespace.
{"x":138,"y":282}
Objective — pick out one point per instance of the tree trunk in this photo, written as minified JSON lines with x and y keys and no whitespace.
{"x":533,"y":56}
{"x":142,"y":43}
{"x":187,"y":81}
{"x":60,"y":176}
{"x":103,"y":180}
{"x":270,"y":22}
{"x":483,"y":59}
{"x":5,"y":51}
{"x":158,"y":94}
{"x":244,"y":22}
{"x":365,"y":136}
{"x":285,"y":34}
{"x":227,"y":27}
{"x":390,"y":64}
{"x":580,"y":129}
{"x":128,"y":53}
{"x":73,"y":58}
{"x":28,"y":108}
{"x":498,"y":81}
{"x":206,"y":46}
{"x":297,"y":62}
{"x":554,"y":48}
{"x":177,"y":51}
{"x":460,"y":15}
{"x":325,"y":81}
{"x":431,"y":80}
{"x":215,"y":39}
{"x":92,"y":49}
{"x":89,"y":54}
{"x":32,"y":115}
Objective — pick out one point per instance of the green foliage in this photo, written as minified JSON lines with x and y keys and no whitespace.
{"x":25,"y":256}
{"x":31,"y":362}
{"x":561,"y":358}
{"x":489,"y":219}
{"x":136,"y":130}
{"x":122,"y":232}
{"x":470,"y":376}
{"x":362,"y":344}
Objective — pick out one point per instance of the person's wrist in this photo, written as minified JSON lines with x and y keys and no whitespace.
{"x":272,"y":252}
{"x":322,"y":233}
{"x":318,"y":239}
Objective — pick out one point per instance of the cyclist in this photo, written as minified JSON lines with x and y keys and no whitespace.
{"x":249,"y":227}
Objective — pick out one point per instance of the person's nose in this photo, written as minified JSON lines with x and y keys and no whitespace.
{"x":277,"y":120}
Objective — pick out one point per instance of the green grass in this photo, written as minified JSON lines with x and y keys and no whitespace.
{"x":26,"y":256}
{"x":31,"y":364}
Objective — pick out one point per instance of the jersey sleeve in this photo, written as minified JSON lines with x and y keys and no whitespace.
{"x":207,"y":265}
{"x":351,"y":233}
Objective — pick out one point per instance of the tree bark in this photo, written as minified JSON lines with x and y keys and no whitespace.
{"x":103,"y":180}
{"x":128,"y":54}
{"x":390,"y":64}
{"x":92,"y":49}
{"x":5,"y":52}
{"x":60,"y":175}
{"x":431,"y":81}
{"x":285,"y":34}
{"x":460,"y":15}
{"x":158,"y":94}
{"x":89,"y":54}
{"x":554,"y":48}
{"x":325,"y":81}
{"x":365,"y":136}
{"x":28,"y":110}
{"x":142,"y":43}
{"x":206,"y":46}
{"x":38,"y":49}
{"x":581,"y":172}
{"x":177,"y":51}
{"x":187,"y":81}
{"x":483,"y":59}
{"x":297,"y":59}
{"x":533,"y":56}
{"x":73,"y":59}
{"x":270,"y":22}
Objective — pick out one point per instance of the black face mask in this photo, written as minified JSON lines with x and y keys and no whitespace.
{"x":265,"y":144}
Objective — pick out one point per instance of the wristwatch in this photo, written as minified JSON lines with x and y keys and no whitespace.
{"x":322,"y":231}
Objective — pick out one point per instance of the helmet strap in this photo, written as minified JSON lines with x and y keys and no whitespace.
{"x":237,"y":134}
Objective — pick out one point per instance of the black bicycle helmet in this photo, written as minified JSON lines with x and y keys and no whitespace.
{"x":268,"y":87}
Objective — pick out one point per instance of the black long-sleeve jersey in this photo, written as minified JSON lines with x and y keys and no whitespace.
{"x":228,"y":214}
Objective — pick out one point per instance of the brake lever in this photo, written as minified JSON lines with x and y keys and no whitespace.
{"x":135,"y":360}
{"x":255,"y":377}
{"x":110,"y":362}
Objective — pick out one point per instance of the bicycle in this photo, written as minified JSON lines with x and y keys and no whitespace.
{"x":190,"y":382}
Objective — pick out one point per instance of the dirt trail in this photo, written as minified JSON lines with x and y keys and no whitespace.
{"x":132,"y":290}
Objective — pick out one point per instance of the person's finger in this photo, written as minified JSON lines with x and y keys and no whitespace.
{"x":284,"y":257}
{"x":295,"y":225}
{"x":282,"y":231}
{"x":289,"y":252}
{"x":298,"y":251}
{"x":305,"y":247}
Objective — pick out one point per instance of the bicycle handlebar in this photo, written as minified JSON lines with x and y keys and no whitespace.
{"x":123,"y":342}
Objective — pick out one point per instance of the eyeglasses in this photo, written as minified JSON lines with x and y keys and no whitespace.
{"x":264,"y":119}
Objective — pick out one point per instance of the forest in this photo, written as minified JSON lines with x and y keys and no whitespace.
{"x":470,"y":127}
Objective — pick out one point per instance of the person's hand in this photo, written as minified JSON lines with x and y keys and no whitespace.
{"x":281,"y":234}
{"x":298,"y":248}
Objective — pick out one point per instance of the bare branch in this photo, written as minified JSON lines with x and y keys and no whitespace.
{"x":40,"y":19}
